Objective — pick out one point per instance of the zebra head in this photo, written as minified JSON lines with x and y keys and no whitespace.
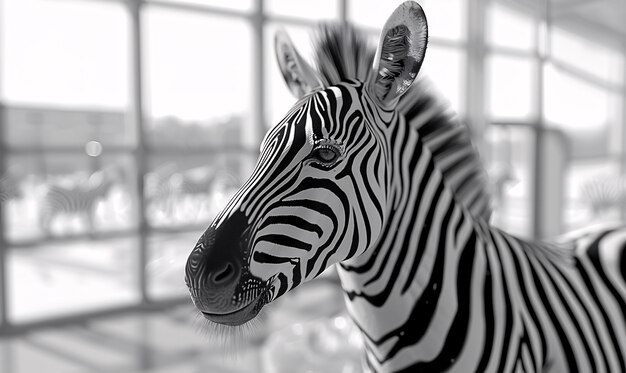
{"x":321,"y":190}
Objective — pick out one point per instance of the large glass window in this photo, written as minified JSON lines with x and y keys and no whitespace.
{"x":246,"y":5}
{"x":583,"y":98}
{"x":565,"y":83}
{"x":510,"y":171}
{"x":198,"y":77}
{"x":73,"y":160}
{"x":72,"y":214}
{"x":445,"y":66}
{"x":198,"y":116}
{"x":510,"y":87}
{"x":76,"y":54}
{"x":589,"y":55}
{"x":73,"y":156}
{"x":66,"y":194}
{"x":510,"y":28}
{"x":307,"y":9}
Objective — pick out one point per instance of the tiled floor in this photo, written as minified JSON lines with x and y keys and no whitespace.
{"x":175,"y":342}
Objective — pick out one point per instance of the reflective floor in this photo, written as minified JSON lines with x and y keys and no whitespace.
{"x":163,"y":342}
{"x":307,"y":328}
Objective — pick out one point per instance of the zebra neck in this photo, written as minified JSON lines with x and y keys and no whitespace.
{"x":399,"y":290}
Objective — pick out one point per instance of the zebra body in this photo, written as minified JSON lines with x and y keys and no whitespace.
{"x":351,"y":177}
{"x":159,"y":190}
{"x":77,"y":199}
{"x":10,"y":187}
{"x":167,"y":188}
{"x":444,"y":291}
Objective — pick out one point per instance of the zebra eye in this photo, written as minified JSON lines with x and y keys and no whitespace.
{"x":326,"y":154}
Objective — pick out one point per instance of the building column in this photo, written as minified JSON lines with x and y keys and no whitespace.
{"x":258,"y":74}
{"x":475,"y":73}
{"x":3,"y":243}
{"x":622,"y":150}
{"x":138,"y":122}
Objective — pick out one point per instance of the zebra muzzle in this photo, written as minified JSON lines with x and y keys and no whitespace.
{"x":216,"y":274}
{"x":239,"y":316}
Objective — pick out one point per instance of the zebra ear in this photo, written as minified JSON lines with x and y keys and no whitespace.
{"x":299,"y":76}
{"x":400,"y":52}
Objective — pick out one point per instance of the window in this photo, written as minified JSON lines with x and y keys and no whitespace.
{"x":198,"y":77}
{"x":67,"y":133}
{"x":510,"y":87}
{"x":585,"y":104}
{"x":445,"y":66}
{"x":587,"y":55}
{"x":446,"y":18}
{"x":71,"y":223}
{"x":306,"y":9}
{"x":510,"y":172}
{"x":246,"y":5}
{"x":510,"y":28}
{"x":91,"y":73}
{"x":68,"y":140}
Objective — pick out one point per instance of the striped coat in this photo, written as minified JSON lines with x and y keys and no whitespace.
{"x":350,"y":176}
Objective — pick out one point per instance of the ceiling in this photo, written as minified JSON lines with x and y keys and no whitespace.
{"x":603,"y":14}
{"x":598,"y":18}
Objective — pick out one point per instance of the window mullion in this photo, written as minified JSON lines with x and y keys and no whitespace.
{"x":137,"y":118}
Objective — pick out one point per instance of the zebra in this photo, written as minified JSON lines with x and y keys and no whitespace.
{"x":346,"y":179}
{"x":159,"y":191}
{"x":10,"y":187}
{"x":167,"y":187}
{"x":604,"y":193}
{"x":78,"y":199}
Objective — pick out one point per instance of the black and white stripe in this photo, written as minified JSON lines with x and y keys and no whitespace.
{"x":443,"y":291}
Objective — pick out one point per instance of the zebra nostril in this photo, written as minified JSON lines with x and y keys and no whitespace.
{"x":224,"y":275}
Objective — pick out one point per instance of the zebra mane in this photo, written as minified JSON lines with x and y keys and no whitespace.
{"x":341,"y":53}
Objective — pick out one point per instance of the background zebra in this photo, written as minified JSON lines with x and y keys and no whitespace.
{"x":78,"y":199}
{"x":10,"y":186}
{"x":159,"y":191}
{"x":188,"y":193}
{"x":604,"y":194}
{"x":346,"y":178}
{"x":196,"y":186}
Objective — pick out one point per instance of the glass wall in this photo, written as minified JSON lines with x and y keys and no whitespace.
{"x":125,"y":125}
{"x":583,"y":97}
{"x":557,"y":75}
{"x":511,"y":91}
{"x":70,"y":220}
